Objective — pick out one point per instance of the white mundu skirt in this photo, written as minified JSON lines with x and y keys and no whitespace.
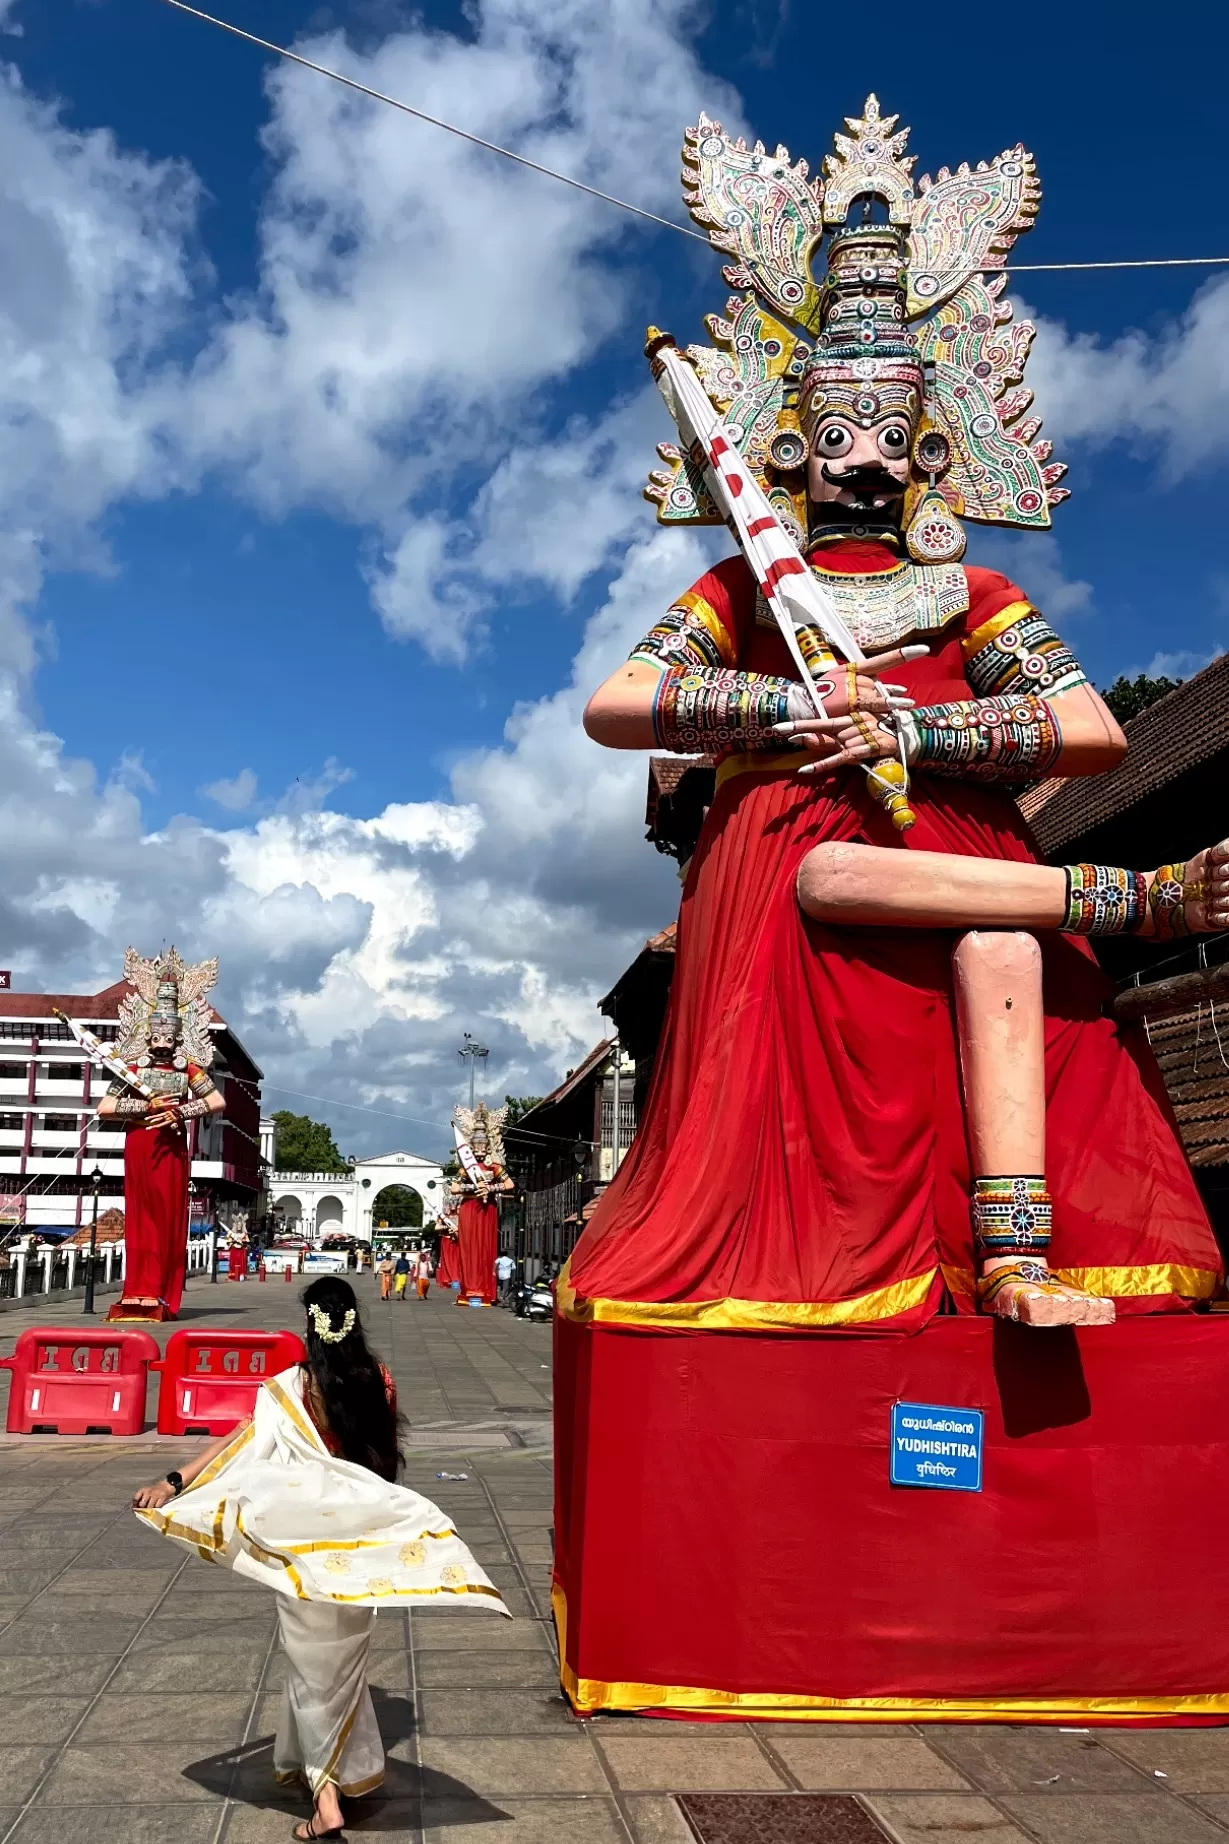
{"x":327,"y":1727}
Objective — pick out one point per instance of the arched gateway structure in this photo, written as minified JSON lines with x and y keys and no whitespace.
{"x":319,"y":1204}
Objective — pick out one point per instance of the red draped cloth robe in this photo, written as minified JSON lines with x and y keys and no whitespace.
{"x":448,"y":1269}
{"x":156,"y":1172}
{"x":803,"y":1160}
{"x":478,"y":1243}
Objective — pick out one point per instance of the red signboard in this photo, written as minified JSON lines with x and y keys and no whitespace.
{"x":74,"y":1380}
{"x":6,"y":979}
{"x":210,"y":1379}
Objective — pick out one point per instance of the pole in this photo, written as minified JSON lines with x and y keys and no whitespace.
{"x":87,"y":1305}
{"x":614,"y":1157}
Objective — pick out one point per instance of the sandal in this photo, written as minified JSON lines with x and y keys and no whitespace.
{"x":305,"y":1830}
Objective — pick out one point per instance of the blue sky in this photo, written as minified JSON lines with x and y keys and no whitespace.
{"x":320,"y":453}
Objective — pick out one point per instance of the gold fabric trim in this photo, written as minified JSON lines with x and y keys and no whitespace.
{"x":705,"y":613}
{"x":759,"y":762}
{"x":589,"y":1694}
{"x":996,"y":625}
{"x":1120,"y":1283}
{"x":732,"y":1315}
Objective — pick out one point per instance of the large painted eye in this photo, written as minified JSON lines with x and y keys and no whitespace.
{"x":893,"y":442}
{"x":833,"y":441}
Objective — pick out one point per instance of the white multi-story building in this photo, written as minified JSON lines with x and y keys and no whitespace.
{"x":318,"y":1204}
{"x":51,"y":1139}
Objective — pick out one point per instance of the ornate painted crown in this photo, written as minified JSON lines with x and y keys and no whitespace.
{"x":169,"y":995}
{"x":908,"y":319}
{"x":486,"y":1120}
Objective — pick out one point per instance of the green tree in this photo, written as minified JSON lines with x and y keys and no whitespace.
{"x":518,"y":1106}
{"x":398,"y":1206}
{"x":301,"y":1144}
{"x":1128,"y":697}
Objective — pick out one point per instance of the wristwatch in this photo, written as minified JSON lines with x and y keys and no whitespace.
{"x":175,"y":1480}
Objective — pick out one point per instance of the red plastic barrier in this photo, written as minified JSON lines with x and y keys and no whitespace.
{"x":79,"y":1380}
{"x":210,"y":1379}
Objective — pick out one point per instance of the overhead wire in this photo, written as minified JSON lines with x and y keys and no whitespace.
{"x":609,"y":198}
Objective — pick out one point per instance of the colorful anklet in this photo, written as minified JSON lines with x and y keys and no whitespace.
{"x":1011,"y":1216}
{"x":703,"y":712}
{"x":1104,"y":900}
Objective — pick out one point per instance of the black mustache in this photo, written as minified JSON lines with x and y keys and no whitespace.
{"x":865,"y":480}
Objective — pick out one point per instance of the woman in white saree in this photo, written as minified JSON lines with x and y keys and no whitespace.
{"x":303,"y":1497}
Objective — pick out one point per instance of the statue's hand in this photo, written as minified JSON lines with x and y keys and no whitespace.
{"x":844,"y":742}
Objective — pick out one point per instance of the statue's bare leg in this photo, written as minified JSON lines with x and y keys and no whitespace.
{"x":997,"y":971}
{"x":1001,"y":1027}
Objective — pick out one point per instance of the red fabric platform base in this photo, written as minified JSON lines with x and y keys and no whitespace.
{"x":728,"y":1543}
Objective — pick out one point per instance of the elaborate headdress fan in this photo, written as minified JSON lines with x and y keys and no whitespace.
{"x":481,"y":1119}
{"x":908,"y":315}
{"x":168,"y":992}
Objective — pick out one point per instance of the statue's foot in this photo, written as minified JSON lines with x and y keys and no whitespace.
{"x":1028,"y":1292}
{"x":1190,"y":898}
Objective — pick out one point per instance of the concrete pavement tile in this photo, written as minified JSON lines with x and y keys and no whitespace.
{"x":479,"y":1631}
{"x":116,"y":1581}
{"x":1193,"y":1760}
{"x":65,"y":1535}
{"x":720,"y":1763}
{"x":1216,"y":1805}
{"x":29,"y":1581}
{"x":493,"y":1712}
{"x":181,"y":1633}
{"x":528,"y":1764}
{"x":474,"y":1670}
{"x":21,"y":1769}
{"x":823,"y":1763}
{"x":388,"y":1632}
{"x":657,"y":1820}
{"x":211,"y":1720}
{"x":878,"y":1730}
{"x":145,"y":1773}
{"x":134,"y":1606}
{"x":77,"y":1637}
{"x":537,"y":1548}
{"x":946,"y":1819}
{"x":38,"y":1719}
{"x":1000,"y":1759}
{"x":166,"y":1824}
{"x":1109,"y":1818}
{"x":36,"y":1675}
{"x":186,"y":1670}
{"x":522,"y":1821}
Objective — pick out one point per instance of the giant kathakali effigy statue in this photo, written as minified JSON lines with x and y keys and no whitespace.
{"x":895,"y":1154}
{"x":159,"y":1065}
{"x":478,"y":1133}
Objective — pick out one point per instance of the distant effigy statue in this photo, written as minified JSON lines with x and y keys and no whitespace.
{"x":886,"y":1086}
{"x":478,"y":1133}
{"x":160,"y":1081}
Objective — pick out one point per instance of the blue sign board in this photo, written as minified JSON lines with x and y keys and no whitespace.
{"x":935,"y":1446}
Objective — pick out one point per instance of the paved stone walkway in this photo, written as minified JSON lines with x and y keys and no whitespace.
{"x":138,"y":1687}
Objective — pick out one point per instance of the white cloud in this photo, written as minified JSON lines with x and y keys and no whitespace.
{"x":237,"y":794}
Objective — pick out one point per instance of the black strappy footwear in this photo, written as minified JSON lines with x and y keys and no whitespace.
{"x":308,"y":1835}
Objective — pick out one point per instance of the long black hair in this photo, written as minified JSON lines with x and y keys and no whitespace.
{"x":348,"y":1381}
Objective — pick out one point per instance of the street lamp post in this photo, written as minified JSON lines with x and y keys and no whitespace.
{"x":471,"y":1050}
{"x":87,"y":1305}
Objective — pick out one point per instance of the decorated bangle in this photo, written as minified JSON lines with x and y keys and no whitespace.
{"x":698,"y":713}
{"x":689,"y":634}
{"x":193,"y":1110}
{"x":1026,"y":656}
{"x":1103,"y":899}
{"x":992,"y":739}
{"x":1012,"y":1216}
{"x":135,"y":1105}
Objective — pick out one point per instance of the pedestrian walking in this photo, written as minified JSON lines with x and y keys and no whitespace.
{"x":422,"y":1273}
{"x":401,"y":1273}
{"x":505,"y":1269}
{"x":385,"y":1272}
{"x":303,"y":1497}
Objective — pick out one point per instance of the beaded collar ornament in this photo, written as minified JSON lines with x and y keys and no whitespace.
{"x":168,"y":998}
{"x":907,"y":320}
{"x":324,"y":1325}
